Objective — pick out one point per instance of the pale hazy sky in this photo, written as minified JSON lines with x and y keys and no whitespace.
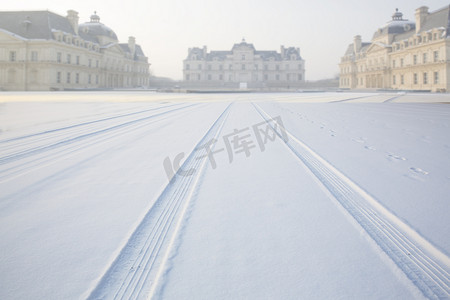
{"x":167,"y":28}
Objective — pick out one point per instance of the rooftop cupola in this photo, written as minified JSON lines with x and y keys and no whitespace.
{"x":397,"y":16}
{"x":95,"y":18}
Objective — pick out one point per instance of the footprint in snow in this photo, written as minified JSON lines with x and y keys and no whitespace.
{"x":394,"y":157}
{"x":418,"y":171}
{"x":360,"y":140}
{"x":370,"y":148}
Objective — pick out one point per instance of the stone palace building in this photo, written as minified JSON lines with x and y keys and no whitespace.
{"x":244,"y":66}
{"x":41,"y":50}
{"x":402,"y":55}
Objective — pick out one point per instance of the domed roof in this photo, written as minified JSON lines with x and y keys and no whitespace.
{"x":96,"y":29}
{"x":396,"y":26}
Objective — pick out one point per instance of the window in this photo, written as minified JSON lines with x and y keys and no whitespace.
{"x":300,"y":77}
{"x":299,"y":66}
{"x":77,"y":78}
{"x":401,"y":62}
{"x":12,"y":56}
{"x":436,"y":77}
{"x":78,"y":60}
{"x":58,"y":57}
{"x":34,"y":55}
{"x":68,"y":77}
{"x":402,"y":79}
{"x":288,"y":77}
{"x":415,"y":59}
{"x":209,"y":67}
{"x":265,"y":67}
{"x":393,"y":80}
{"x":220,"y":77}
{"x":424,"y":58}
{"x":90,"y":62}
{"x":277,"y":77}
{"x":89,"y":79}
{"x":96,"y":63}
{"x":415,"y":78}
{"x":393,"y":63}
{"x":230,"y":77}
{"x":243,"y":67}
{"x":230,"y":67}
{"x":69,"y":58}
{"x":220,"y":67}
{"x":198,"y":76}
{"x":209,"y":76}
{"x":256,"y":67}
{"x":277,"y":67}
{"x":266,"y":77}
{"x":287,"y":67}
{"x":425,"y":78}
{"x":199,"y":67}
{"x":243,"y":56}
{"x":436,"y":56}
{"x":96,"y":79}
{"x":188,"y":77}
{"x":435,"y":36}
{"x":58,"y":77}
{"x":188,"y":67}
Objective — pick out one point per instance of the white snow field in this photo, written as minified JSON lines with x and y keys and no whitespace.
{"x":271,"y":196}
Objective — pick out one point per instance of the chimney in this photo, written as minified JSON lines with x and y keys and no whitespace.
{"x":421,"y":14}
{"x":357,"y":43}
{"x":132,"y":45}
{"x":282,"y":51}
{"x":72,"y":16}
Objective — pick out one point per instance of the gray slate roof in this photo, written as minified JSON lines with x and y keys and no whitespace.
{"x":350,"y":49}
{"x":138,"y":49}
{"x":435,"y":19}
{"x":40,"y":24}
{"x":438,"y":18}
{"x":34,"y":24}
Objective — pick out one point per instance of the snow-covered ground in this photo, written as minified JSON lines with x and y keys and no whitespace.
{"x":276,"y":196}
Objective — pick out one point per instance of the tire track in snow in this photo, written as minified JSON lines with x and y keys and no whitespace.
{"x":72,"y":126}
{"x":354,"y":98}
{"x":392,"y":99}
{"x":87,"y":132}
{"x":137,"y":269}
{"x":425,"y":265}
{"x":33,"y":140}
{"x":47,"y":154}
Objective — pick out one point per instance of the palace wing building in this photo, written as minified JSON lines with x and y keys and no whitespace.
{"x":402,"y":55}
{"x":41,"y":50}
{"x":244,"y":66}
